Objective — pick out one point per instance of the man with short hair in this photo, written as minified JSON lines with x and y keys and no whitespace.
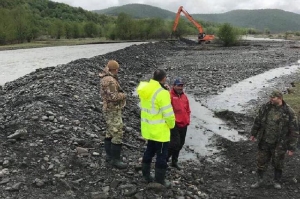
{"x":181,"y":107}
{"x":157,"y":118}
{"x":114,"y":100}
{"x":276,"y":129}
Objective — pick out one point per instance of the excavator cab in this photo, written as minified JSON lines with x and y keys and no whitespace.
{"x":201,"y":36}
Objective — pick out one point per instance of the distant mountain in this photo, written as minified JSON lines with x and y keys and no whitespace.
{"x":138,"y":11}
{"x":274,"y":20}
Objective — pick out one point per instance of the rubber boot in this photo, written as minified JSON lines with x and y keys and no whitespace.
{"x":116,"y":156}
{"x":259,"y":180}
{"x":107,"y":147}
{"x":146,"y":172}
{"x":175,"y":165}
{"x":277,"y":178}
{"x":175,"y":160}
{"x":160,"y":175}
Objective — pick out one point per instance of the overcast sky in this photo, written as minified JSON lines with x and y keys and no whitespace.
{"x":192,"y":6}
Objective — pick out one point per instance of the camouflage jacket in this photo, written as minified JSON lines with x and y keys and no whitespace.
{"x":111,"y":92}
{"x":288,"y":125}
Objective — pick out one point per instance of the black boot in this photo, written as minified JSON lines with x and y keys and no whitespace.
{"x":116,"y":156}
{"x":107,"y":147}
{"x":259,"y":181}
{"x":160,"y":175}
{"x":277,"y":178}
{"x":175,"y":160}
{"x":175,"y":164}
{"x":146,"y":172}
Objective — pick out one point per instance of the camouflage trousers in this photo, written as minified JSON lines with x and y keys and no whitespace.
{"x":266,"y":153}
{"x":114,"y":124}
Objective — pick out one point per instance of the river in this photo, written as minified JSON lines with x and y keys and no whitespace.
{"x":17,"y":63}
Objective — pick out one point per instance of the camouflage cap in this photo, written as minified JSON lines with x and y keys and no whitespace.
{"x":112,"y":65}
{"x":275,"y":93}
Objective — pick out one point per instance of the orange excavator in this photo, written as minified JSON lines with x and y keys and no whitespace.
{"x":202,"y":37}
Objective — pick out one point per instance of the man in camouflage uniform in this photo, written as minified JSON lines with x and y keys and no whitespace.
{"x":276,"y":129}
{"x":114,"y":100}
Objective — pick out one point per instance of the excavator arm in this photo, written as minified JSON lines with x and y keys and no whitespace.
{"x":201,"y":36}
{"x":188,"y":16}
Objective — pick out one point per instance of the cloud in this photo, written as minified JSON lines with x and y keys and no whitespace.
{"x":192,"y":6}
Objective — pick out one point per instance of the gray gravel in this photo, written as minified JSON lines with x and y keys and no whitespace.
{"x":52,"y":127}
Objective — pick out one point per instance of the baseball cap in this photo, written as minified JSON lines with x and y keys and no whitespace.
{"x":275,"y":93}
{"x":112,"y":64}
{"x":178,"y":81}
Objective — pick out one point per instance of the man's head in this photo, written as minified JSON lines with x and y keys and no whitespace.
{"x":113,"y":66}
{"x":276,"y":97}
{"x":178,"y":85}
{"x":160,"y":76}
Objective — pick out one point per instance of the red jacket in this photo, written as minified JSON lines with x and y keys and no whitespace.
{"x":181,"y":108}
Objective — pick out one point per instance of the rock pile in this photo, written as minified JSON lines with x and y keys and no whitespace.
{"x":52,"y":127}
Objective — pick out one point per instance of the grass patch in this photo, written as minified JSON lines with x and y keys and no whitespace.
{"x":56,"y":42}
{"x":293,"y":98}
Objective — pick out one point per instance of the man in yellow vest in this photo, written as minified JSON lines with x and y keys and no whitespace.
{"x":157,"y":118}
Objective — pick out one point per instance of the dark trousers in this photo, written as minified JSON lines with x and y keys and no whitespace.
{"x":177,"y":141}
{"x":160,"y":149}
{"x":266,"y":153}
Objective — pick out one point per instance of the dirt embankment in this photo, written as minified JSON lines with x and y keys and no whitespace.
{"x":45,"y":115}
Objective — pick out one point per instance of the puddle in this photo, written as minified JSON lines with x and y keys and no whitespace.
{"x":203,"y":129}
{"x":236,"y":97}
{"x":252,"y":38}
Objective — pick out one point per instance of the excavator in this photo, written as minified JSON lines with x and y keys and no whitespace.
{"x":202,"y":37}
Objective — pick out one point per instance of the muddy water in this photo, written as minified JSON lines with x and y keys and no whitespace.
{"x":17,"y":63}
{"x":236,"y":97}
{"x":203,"y":129}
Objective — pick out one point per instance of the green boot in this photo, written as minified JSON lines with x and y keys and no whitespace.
{"x":160,"y":175}
{"x":116,"y":156}
{"x":107,"y":147}
{"x":146,"y":172}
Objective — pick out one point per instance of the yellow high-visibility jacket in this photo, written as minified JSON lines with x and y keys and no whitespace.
{"x":157,"y":116}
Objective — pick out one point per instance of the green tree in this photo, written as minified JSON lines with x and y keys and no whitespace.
{"x":56,"y":29}
{"x":75,"y":30}
{"x":22,"y":23}
{"x":181,"y":28}
{"x":124,"y":26}
{"x":228,"y":34}
{"x":90,"y":29}
{"x":68,"y":30}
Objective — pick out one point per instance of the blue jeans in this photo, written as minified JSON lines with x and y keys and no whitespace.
{"x":160,"y":149}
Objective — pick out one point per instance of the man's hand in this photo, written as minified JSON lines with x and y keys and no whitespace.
{"x":167,"y":86}
{"x":290,"y":153}
{"x":252,"y":138}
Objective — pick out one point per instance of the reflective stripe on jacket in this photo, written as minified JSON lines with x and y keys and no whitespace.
{"x":157,"y":116}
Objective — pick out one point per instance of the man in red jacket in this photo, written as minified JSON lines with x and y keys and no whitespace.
{"x":182,"y":113}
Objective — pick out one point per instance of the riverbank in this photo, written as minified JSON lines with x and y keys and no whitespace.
{"x":46,"y":114}
{"x":62,"y":42}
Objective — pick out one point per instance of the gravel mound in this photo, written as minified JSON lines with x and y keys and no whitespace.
{"x":52,"y":127}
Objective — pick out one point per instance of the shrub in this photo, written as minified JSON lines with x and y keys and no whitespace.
{"x":228,"y":34}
